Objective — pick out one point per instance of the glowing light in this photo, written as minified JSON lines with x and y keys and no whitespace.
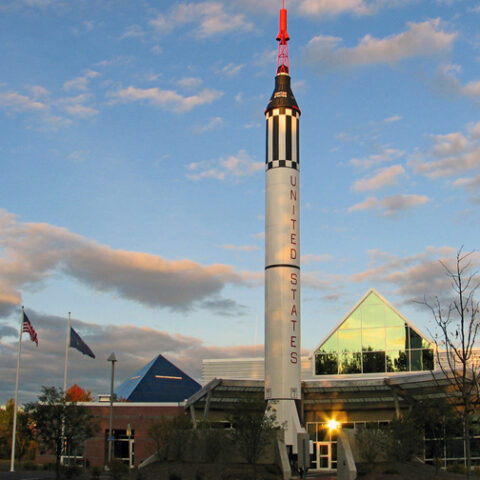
{"x":333,"y":424}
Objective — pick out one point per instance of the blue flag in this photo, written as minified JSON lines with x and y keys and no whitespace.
{"x":77,"y":342}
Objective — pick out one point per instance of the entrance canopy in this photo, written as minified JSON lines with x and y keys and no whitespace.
{"x":351,"y":393}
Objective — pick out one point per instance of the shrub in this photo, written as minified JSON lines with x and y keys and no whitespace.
{"x":71,"y":471}
{"x":405,"y":438}
{"x":117,"y":468}
{"x":174,"y":476}
{"x":29,"y":466}
{"x":457,"y":468}
{"x":371,"y":442}
{"x":95,"y":472}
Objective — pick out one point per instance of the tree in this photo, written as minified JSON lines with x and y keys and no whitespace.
{"x":59,"y":424}
{"x":436,"y":419}
{"x":458,"y":322}
{"x":168,"y":436}
{"x":254,"y":424}
{"x":78,"y":394}
{"x":24,"y":438}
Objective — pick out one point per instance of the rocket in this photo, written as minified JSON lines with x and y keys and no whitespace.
{"x":282,"y":246}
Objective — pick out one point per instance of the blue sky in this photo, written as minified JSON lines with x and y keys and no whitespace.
{"x":132,"y":148}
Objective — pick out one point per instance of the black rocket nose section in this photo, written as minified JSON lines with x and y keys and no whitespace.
{"x":282,"y":96}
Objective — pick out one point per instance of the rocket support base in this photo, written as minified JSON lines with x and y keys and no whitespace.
{"x":287,"y":417}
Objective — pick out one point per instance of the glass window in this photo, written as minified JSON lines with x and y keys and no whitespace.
{"x":353,"y":321}
{"x":311,"y":431}
{"x":373,"y":362}
{"x":396,"y":338}
{"x":392,"y":319}
{"x":330,"y":345}
{"x":326,"y":364}
{"x":427,"y":359}
{"x":322,"y":433}
{"x":416,"y":360}
{"x":475,"y":447}
{"x":397,"y":361}
{"x":372,"y":299}
{"x":416,"y":341}
{"x":373,"y":316}
{"x":373,"y":339}
{"x":350,"y":363}
{"x":455,"y":448}
{"x":349,"y":340}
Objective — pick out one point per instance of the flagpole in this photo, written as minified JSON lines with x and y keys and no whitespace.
{"x":14,"y":431}
{"x":67,"y":344}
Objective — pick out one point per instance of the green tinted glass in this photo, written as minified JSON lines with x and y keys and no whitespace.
{"x":330,"y":345}
{"x":392,"y":319}
{"x":326,"y":364}
{"x":350,"y":340}
{"x":350,"y":363}
{"x":372,"y":299}
{"x":427,"y":358}
{"x":373,"y":339}
{"x":397,"y":361}
{"x":396,"y":338}
{"x":373,"y":362}
{"x":353,"y":321}
{"x":373,"y":316}
{"x":416,"y":360}
{"x":415,"y":339}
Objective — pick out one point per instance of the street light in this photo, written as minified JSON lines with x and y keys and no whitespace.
{"x":112,"y":358}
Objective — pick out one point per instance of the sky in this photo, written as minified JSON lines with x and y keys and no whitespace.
{"x":132,"y":147}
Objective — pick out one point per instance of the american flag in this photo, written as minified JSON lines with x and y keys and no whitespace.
{"x":28,"y":327}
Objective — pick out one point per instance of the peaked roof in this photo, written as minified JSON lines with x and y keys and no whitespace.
{"x":347,"y":316}
{"x":158,"y":381}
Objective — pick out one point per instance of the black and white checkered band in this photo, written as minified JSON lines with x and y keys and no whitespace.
{"x":282,"y":140}
{"x":282,"y":111}
{"x":282,"y":163}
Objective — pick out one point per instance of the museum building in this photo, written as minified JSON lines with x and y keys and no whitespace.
{"x":372,"y":366}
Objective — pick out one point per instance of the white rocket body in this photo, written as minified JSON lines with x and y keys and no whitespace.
{"x":282,"y":257}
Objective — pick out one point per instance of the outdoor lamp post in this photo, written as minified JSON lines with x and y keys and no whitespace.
{"x":112,"y":358}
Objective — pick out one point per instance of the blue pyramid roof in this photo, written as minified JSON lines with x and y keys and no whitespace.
{"x":158,"y":381}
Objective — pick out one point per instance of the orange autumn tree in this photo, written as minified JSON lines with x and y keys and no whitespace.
{"x":78,"y":394}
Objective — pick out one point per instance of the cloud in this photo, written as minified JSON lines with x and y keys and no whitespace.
{"x":208,"y":18}
{"x":384,"y":156}
{"x":385,"y":177}
{"x":472,"y":185}
{"x":240,"y":248}
{"x":231,"y":69}
{"x":225,"y":307}
{"x":414,"y":276}
{"x":134,"y":31}
{"x":234,"y":166}
{"x":311,"y":258}
{"x":166,"y":99}
{"x":213,"y":123}
{"x":80,"y":83}
{"x":189,"y":82}
{"x":390,"y":206}
{"x":16,"y":102}
{"x":392,"y":119}
{"x":420,"y":40}
{"x":32,"y":252}
{"x":334,"y":7}
{"x":446,"y":82}
{"x":44,"y":365}
{"x":450,"y":155}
